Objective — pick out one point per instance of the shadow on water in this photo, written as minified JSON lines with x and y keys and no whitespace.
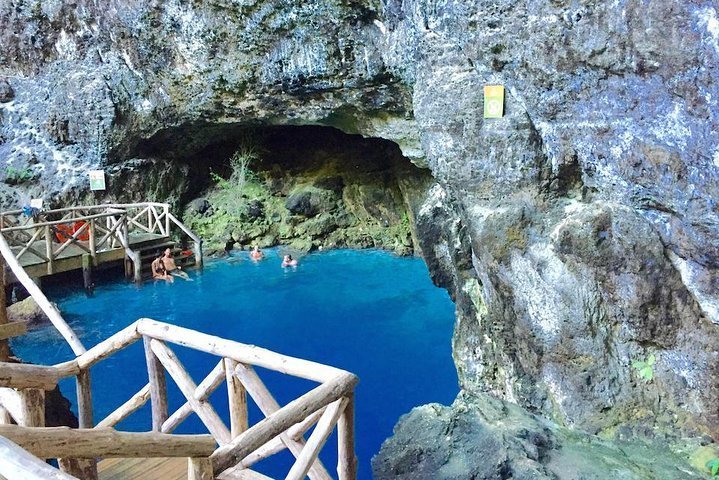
{"x":369,"y":312}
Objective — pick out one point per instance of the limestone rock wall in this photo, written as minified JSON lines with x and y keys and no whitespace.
{"x":578,"y":234}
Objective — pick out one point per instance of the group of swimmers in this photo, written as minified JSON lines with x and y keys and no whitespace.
{"x":165,"y":268}
{"x":257,"y":255}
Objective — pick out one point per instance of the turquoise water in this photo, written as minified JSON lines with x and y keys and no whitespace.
{"x":369,"y":312}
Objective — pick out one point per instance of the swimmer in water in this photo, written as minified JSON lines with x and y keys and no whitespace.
{"x":288,"y":261}
{"x":256,"y":254}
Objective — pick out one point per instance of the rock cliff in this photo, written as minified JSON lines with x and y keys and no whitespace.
{"x":577,"y":234}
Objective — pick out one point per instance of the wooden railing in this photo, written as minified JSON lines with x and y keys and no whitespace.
{"x":91,"y":229}
{"x":327,"y":406}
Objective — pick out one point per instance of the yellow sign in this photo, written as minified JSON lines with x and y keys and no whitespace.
{"x":493,"y":101}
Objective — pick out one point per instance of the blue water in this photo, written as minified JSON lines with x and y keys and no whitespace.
{"x":368,"y":312}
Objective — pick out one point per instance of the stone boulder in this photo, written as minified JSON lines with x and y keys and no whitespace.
{"x":6,"y":91}
{"x":490,"y":439}
{"x":200,"y":206}
{"x":308,"y":200}
{"x":27,"y":311}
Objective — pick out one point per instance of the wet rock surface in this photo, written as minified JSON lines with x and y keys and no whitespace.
{"x":577,"y":234}
{"x":444,"y":443}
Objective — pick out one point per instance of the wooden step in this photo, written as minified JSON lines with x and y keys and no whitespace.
{"x":142,"y":469}
{"x":161,"y":469}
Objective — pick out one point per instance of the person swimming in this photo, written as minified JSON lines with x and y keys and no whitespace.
{"x":256,"y":253}
{"x":288,"y":261}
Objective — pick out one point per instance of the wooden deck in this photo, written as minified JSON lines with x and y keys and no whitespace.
{"x":161,"y":469}
{"x":71,"y":257}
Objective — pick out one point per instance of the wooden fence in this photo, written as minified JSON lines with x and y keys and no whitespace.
{"x":90,"y":229}
{"x":239,"y":445}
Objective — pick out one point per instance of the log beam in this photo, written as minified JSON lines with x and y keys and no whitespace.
{"x":158,"y":386}
{"x":127,"y":408}
{"x":15,"y":462}
{"x":53,"y":442}
{"x":22,"y":375}
{"x":247,"y":354}
{"x":12,"y":329}
{"x":237,"y":399}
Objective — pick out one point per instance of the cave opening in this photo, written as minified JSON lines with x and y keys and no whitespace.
{"x":309,"y":187}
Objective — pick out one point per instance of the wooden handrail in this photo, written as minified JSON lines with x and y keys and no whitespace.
{"x":243,"y":353}
{"x":88,"y":207}
{"x":18,"y":463}
{"x":182,"y":226}
{"x":60,"y":442}
{"x":328,"y":406}
{"x":21,"y":375}
{"x":58,"y":222}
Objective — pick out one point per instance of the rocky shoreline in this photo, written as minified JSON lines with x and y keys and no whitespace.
{"x":577,"y":234}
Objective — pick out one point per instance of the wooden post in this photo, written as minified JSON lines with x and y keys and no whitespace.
{"x":199,"y":469}
{"x":84,"y":468}
{"x":158,"y":386}
{"x":346,"y":459}
{"x":237,"y":397}
{"x":4,"y":345}
{"x":137,"y":265}
{"x":32,"y":407}
{"x":84,"y":399}
{"x":197,"y":250}
{"x":165,"y":211}
{"x":93,"y":241}
{"x":87,"y":274}
{"x":48,"y":250}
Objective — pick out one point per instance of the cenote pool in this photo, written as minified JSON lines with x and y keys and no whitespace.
{"x":369,"y":312}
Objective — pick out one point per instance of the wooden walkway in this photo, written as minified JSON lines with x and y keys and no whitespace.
{"x":55,"y":241}
{"x":71,"y":258}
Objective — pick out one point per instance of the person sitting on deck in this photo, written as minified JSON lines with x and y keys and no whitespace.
{"x":169,"y":262}
{"x":288,"y":261}
{"x":159,"y":272}
{"x":256,"y":254}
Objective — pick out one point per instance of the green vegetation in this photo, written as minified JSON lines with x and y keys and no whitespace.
{"x":713,"y":466}
{"x":646,"y":368}
{"x":231,"y":194}
{"x":16,"y":176}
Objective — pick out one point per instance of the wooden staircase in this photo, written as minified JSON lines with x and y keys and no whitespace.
{"x":183,"y":258}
